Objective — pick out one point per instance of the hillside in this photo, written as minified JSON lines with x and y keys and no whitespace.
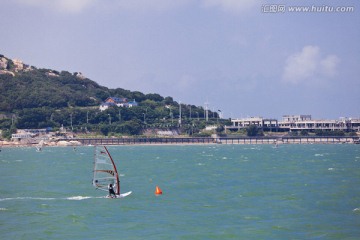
{"x":23,"y":86}
{"x":38,"y":98}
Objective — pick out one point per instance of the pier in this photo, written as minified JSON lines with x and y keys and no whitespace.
{"x":218,"y":140}
{"x":130,"y":141}
{"x":288,"y":140}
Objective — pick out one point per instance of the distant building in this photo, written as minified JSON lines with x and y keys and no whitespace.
{"x":211,"y":127}
{"x":105,"y":105}
{"x":19,"y":65}
{"x":343,"y":124}
{"x":3,"y":63}
{"x":264,"y":123}
{"x":30,"y":133}
{"x":296,"y":123}
{"x":296,"y":118}
{"x":19,"y":136}
{"x":116,"y":101}
{"x":132,"y":104}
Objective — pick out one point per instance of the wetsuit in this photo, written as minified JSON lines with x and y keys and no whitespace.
{"x":111,"y":191}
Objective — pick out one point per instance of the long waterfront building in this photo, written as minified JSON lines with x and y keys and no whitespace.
{"x":296,"y":123}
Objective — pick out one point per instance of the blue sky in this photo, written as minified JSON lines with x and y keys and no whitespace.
{"x":234,"y":54}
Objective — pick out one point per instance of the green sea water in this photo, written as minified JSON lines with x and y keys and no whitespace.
{"x":209,"y":192}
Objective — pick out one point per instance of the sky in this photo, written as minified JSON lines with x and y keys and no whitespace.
{"x":245,"y":58}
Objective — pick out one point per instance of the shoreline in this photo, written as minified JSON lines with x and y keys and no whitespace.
{"x":185,"y":141}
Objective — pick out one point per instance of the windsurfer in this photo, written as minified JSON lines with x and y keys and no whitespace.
{"x":111,"y":191}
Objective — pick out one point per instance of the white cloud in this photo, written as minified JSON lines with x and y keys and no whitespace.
{"x":308,"y":65}
{"x":328,"y":65}
{"x":147,"y":5}
{"x":76,"y":6}
{"x":230,"y":5}
{"x":72,"y":6}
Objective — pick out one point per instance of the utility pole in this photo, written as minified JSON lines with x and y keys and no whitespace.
{"x":172,"y":116}
{"x":190,"y":113}
{"x":180,"y":112}
{"x":87,"y":121}
{"x":206,"y":111}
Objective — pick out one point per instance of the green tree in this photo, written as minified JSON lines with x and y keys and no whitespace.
{"x":154,"y":97}
{"x":304,"y":133}
{"x":252,"y":131}
{"x":168,"y":101}
{"x":6,"y":133}
{"x":220,"y":129}
{"x":132,"y":127}
{"x":104,"y":129}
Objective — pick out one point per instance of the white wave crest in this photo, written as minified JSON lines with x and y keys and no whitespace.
{"x":45,"y":199}
{"x":77,"y":198}
{"x":26,"y":198}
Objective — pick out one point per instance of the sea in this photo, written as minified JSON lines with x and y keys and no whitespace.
{"x":293,"y":191}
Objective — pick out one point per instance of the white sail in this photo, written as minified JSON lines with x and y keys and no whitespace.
{"x":40,"y":146}
{"x":105,"y":171}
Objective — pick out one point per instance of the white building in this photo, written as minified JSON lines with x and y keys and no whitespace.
{"x":115,"y":101}
{"x":296,"y":118}
{"x":260,"y":122}
{"x":297,"y":123}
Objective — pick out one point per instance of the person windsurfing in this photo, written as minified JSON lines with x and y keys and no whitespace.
{"x":112,"y":193}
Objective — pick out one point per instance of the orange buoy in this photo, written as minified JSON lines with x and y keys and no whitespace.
{"x":158,"y":191}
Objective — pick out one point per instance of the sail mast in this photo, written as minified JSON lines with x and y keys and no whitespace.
{"x":116,"y":173}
